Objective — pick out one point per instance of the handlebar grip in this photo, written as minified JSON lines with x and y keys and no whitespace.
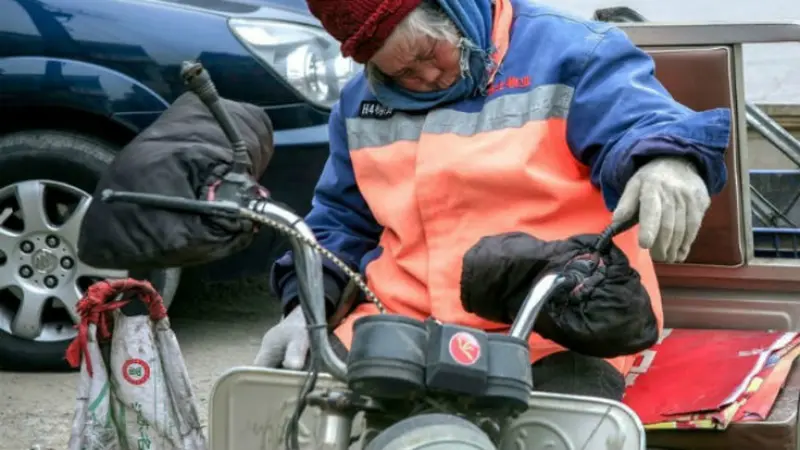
{"x":199,"y":81}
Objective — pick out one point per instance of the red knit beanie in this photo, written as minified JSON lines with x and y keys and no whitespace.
{"x":361,"y":25}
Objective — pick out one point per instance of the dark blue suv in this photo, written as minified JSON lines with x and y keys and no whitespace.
{"x":80,"y":78}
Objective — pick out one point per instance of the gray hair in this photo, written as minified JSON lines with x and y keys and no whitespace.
{"x":426,"y":20}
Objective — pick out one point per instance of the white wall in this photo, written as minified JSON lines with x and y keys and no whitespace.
{"x":772,"y":71}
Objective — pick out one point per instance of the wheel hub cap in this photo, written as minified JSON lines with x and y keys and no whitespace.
{"x":44,"y":261}
{"x":39,"y":264}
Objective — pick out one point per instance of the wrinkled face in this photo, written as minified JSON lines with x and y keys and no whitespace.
{"x":421,"y":64}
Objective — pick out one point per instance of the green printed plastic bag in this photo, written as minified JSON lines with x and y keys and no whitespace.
{"x":134,"y":391}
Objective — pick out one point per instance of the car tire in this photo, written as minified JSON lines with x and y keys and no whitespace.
{"x":59,"y":165}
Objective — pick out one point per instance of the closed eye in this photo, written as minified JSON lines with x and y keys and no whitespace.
{"x":430,"y":54}
{"x":400,"y":74}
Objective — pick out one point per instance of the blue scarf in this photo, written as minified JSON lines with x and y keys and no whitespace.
{"x":474,"y":20}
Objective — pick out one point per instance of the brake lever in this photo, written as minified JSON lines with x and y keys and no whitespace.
{"x":236,"y":184}
{"x":199,"y":81}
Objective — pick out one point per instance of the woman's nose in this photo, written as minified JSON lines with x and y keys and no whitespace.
{"x":429,"y":74}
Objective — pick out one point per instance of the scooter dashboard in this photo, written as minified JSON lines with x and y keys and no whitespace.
{"x":395,"y":357}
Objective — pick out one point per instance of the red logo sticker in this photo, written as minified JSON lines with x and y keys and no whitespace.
{"x":136,"y":371}
{"x":464,"y":348}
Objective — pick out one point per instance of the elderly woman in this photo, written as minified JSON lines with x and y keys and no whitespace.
{"x":479,"y":117}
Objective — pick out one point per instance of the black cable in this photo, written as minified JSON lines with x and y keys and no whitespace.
{"x":291,"y":439}
{"x":604,"y":241}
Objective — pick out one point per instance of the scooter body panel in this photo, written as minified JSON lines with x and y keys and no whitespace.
{"x":250,"y":406}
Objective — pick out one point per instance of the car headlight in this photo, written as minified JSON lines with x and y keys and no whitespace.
{"x":308,"y":58}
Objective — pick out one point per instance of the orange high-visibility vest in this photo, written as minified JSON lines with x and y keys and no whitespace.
{"x":440,"y":181}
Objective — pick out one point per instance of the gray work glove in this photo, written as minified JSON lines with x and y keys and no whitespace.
{"x":671,"y":200}
{"x":286,"y":344}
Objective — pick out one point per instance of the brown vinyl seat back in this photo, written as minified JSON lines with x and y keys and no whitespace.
{"x":701,"y":78}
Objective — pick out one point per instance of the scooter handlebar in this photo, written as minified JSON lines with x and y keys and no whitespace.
{"x":170,"y":203}
{"x":533,"y":303}
{"x":307,"y":260}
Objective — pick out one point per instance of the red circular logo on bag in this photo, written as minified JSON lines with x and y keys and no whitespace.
{"x":464,"y":348}
{"x":136,"y":371}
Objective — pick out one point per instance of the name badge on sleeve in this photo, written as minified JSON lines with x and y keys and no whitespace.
{"x":374,"y":110}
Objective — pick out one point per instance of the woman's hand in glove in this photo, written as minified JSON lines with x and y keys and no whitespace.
{"x":286,"y":344}
{"x":671,"y":200}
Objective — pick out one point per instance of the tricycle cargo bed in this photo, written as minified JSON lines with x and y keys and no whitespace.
{"x":778,"y":432}
{"x":724,"y":284}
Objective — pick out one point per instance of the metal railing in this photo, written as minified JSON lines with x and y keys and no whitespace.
{"x":789,"y":146}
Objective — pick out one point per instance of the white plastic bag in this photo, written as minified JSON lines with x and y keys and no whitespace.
{"x":134,"y":391}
